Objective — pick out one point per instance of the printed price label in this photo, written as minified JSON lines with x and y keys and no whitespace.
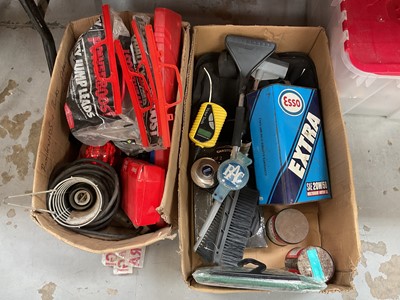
{"x":123,"y":262}
{"x":122,"y":267}
{"x":136,"y":257}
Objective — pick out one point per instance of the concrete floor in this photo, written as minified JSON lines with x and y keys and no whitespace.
{"x":37,"y":266}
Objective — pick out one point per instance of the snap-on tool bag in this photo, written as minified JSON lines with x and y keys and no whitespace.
{"x":91,"y":101}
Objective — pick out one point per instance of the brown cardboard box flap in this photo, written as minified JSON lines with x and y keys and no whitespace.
{"x":96,"y":245}
{"x":169,"y":209}
{"x":333,"y":222}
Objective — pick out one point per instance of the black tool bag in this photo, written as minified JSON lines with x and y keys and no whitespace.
{"x":225,"y":83}
{"x":90,"y":103}
{"x":301,"y":70}
{"x":225,"y":89}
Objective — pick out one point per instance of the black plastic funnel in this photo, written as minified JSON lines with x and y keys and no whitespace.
{"x":248,"y":54}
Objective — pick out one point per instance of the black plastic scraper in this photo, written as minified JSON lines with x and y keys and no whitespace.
{"x":248,"y":54}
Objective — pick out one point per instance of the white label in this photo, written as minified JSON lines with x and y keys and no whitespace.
{"x":123,"y":262}
{"x":233,"y":174}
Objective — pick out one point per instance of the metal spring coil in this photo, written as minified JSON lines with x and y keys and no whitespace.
{"x":99,"y":183}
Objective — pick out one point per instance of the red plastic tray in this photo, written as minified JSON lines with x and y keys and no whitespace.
{"x":373,"y":35}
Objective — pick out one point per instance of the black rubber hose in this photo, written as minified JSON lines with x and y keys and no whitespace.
{"x":40,"y":25}
{"x":106,"y":179}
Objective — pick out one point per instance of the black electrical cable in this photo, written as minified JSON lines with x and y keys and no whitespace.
{"x":106,"y":179}
{"x":107,"y":236}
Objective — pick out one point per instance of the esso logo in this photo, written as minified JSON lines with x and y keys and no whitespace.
{"x":291,"y":102}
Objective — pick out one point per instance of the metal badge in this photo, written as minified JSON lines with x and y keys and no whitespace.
{"x":204,"y":172}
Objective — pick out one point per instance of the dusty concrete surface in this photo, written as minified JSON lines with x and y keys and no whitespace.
{"x":47,"y":291}
{"x":37,"y":266}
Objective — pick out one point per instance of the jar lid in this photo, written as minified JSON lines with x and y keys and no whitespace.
{"x":291,"y":226}
{"x":316,"y":262}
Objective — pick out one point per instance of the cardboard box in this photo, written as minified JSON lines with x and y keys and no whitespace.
{"x":55,"y":148}
{"x":333,"y":222}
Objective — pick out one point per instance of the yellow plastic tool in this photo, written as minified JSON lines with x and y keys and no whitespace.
{"x":208,"y":123}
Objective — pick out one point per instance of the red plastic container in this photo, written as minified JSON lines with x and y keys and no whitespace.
{"x":167,"y":35}
{"x":162,"y":105}
{"x":373,"y":41}
{"x":107,"y":153}
{"x":142,"y":187}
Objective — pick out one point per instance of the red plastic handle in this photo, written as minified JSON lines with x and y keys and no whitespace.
{"x":144,"y":62}
{"x":171,"y":102}
{"x":142,"y":81}
{"x":129,"y":76}
{"x":108,"y":43}
{"x":162,"y":105}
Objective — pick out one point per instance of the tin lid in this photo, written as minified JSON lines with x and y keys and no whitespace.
{"x":291,"y":226}
{"x":204,"y":172}
{"x":316,"y":262}
{"x":373,"y":35}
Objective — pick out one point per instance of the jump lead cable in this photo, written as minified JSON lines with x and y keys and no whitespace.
{"x":85,"y":196}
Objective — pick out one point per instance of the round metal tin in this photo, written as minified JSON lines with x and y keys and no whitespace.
{"x":289,"y":226}
{"x":204,"y":172}
{"x":302,"y":261}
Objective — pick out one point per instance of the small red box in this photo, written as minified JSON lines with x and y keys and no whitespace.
{"x":142,"y":186}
